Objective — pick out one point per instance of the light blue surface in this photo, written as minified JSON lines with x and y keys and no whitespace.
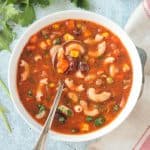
{"x":22,"y":136}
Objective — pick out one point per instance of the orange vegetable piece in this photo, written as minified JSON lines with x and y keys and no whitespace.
{"x":70,"y":24}
{"x":33,"y":39}
{"x":62,"y":65}
{"x":87,"y":33}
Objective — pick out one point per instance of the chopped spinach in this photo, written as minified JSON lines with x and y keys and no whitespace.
{"x":116,"y":107}
{"x":99,"y":121}
{"x":89,"y":119}
{"x":41,"y":108}
{"x":57,"y":41}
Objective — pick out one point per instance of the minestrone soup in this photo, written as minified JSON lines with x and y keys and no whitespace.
{"x":93,"y":63}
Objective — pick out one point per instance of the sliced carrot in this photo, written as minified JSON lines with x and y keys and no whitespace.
{"x":70,"y":24}
{"x":62,"y":65}
{"x":114,"y":39}
{"x":120,"y":77}
{"x":33,"y":39}
{"x":86,"y":33}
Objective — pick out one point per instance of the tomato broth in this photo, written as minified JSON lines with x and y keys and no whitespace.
{"x":94,"y":65}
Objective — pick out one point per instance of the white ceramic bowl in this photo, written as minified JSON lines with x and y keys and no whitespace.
{"x":77,"y":14}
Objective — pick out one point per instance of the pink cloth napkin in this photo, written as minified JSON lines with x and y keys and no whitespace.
{"x":130,"y":132}
{"x":144,"y":141}
{"x":138,"y":28}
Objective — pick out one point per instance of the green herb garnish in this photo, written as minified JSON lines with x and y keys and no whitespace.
{"x":65,"y":110}
{"x":89,"y":119}
{"x":57,"y":41}
{"x":41,"y":108}
{"x":99,"y":121}
{"x":69,"y":113}
{"x":116,"y":107}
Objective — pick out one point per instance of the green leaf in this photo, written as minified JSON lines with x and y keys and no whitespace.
{"x":81,"y":3}
{"x":42,"y":3}
{"x":27,"y":16}
{"x":4,"y":87}
{"x":4,"y":118}
{"x":6,"y":36}
{"x":99,"y":121}
{"x":116,"y":107}
{"x":89,"y":119}
{"x":11,"y":1}
{"x":9,"y":12}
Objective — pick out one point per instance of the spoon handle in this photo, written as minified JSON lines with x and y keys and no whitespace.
{"x":42,"y":138}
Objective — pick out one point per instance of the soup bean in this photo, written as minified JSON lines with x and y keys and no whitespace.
{"x":83,"y":66}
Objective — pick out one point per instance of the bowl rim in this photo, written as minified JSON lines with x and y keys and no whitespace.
{"x":83,"y":15}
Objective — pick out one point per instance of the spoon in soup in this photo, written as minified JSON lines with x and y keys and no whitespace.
{"x":43,"y":135}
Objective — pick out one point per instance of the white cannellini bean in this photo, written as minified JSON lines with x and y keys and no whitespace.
{"x":25,"y":73}
{"x":37,"y":58}
{"x":125,"y":68}
{"x":40,"y":115}
{"x":99,"y":82}
{"x":79,"y":74}
{"x":109,"y":60}
{"x":44,"y":81}
{"x":90,"y":77}
{"x":101,"y":48}
{"x":113,"y":70}
{"x":80,"y":88}
{"x":98,"y":37}
{"x":78,"y":108}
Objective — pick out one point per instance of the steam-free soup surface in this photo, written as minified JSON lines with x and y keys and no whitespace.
{"x":92,"y":62}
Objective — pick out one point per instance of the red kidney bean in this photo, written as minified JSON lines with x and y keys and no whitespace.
{"x":83,"y":66}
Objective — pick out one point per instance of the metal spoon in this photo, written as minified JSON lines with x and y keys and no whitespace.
{"x":43,"y":135}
